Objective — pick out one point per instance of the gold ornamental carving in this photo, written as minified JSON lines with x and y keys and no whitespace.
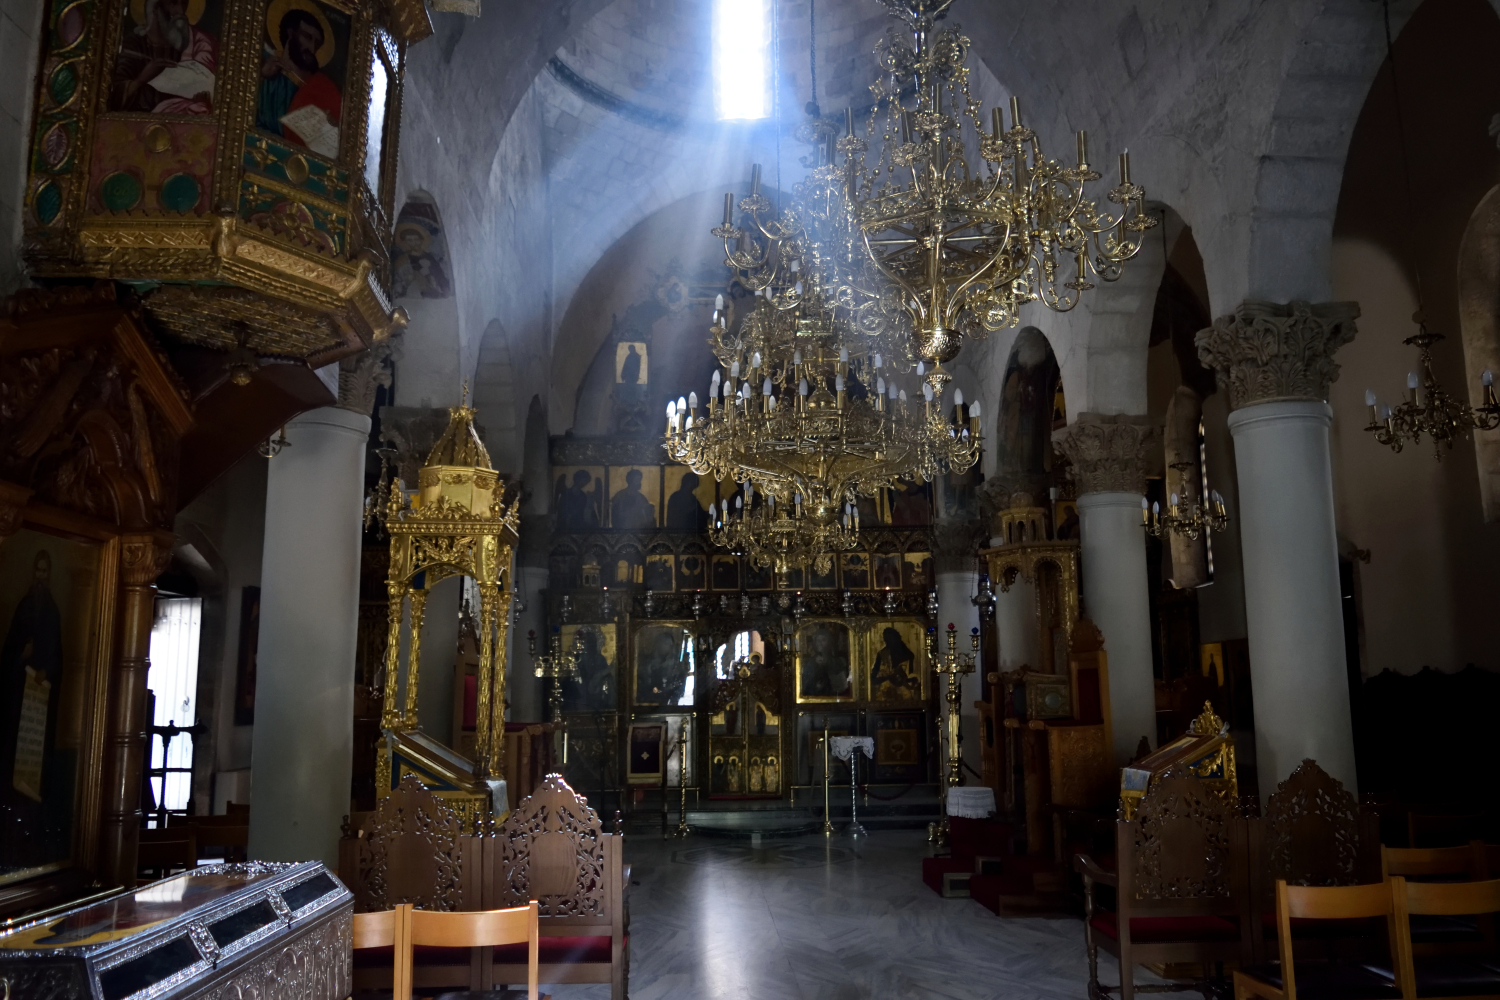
{"x":244,"y":144}
{"x":456,"y":524}
{"x":1110,"y":453}
{"x":1267,"y":351}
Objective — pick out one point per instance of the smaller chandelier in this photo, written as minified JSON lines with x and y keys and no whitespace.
{"x":784,"y":535}
{"x":1185,"y":516}
{"x":1430,"y":410}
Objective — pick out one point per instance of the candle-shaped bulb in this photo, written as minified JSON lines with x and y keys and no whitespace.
{"x":765,"y":387}
{"x":692,"y":400}
{"x":958,"y":397}
{"x":770,"y":404}
{"x":1369,"y":397}
{"x":838,"y":383}
{"x":797,"y":288}
{"x":921,"y":368}
{"x":802,"y":389}
{"x":734,"y":369}
{"x":719,"y":302}
{"x":1173,"y":501}
{"x":892,"y":390}
{"x":1145,"y":504}
{"x":926,"y":392}
{"x":755,"y":360}
{"x":880,"y":363}
{"x":681,"y":403}
{"x":974,"y":410}
{"x":1487,"y":377}
{"x":1385,"y":412}
{"x":1411,"y":380}
{"x":902,"y":395}
{"x":844,"y":355}
{"x":739,"y":503}
{"x":796,"y":357}
{"x":727,"y":390}
{"x":880,"y":387}
{"x":1155,"y":508}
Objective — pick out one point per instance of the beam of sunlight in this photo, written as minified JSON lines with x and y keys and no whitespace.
{"x":742,"y":59}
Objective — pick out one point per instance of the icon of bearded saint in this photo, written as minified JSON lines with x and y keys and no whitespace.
{"x":166,"y":62}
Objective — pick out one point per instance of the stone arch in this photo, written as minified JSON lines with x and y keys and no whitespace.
{"x":1024,"y":418}
{"x":1299,"y":169}
{"x":422,"y":283}
{"x":1479,"y":320}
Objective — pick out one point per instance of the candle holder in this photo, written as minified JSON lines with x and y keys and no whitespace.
{"x":556,"y":665}
{"x":849,"y":748}
{"x":954,"y":666}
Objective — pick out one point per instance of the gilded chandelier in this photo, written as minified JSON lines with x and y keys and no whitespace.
{"x":956,"y":250}
{"x":1430,"y":410}
{"x":803,"y":412}
{"x":1185,"y":515}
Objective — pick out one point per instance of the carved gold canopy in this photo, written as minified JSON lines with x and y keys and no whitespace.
{"x":456,"y":524}
{"x":164,"y":157}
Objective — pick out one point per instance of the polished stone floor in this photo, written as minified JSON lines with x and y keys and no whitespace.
{"x":809,"y":919}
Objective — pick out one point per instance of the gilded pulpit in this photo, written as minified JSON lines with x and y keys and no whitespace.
{"x":231,"y":161}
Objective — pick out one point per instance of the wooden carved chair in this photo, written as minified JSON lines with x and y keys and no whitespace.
{"x":1181,"y":887}
{"x":553,"y":849}
{"x":411,"y":849}
{"x":1312,"y":834}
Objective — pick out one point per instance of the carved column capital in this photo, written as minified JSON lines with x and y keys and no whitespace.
{"x":1268,"y":351}
{"x":144,"y":557}
{"x":1110,"y":453}
{"x":363,"y":373}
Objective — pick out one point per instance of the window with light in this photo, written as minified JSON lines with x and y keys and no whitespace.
{"x":742,"y":59}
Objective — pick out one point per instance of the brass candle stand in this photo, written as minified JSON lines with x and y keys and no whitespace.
{"x":682,"y":826}
{"x":827,"y":819}
{"x":954,"y":666}
{"x":557,"y":665}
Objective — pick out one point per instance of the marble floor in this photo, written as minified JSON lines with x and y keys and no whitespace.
{"x":805,"y":918}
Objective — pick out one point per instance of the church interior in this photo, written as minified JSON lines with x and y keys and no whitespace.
{"x":724,"y":498}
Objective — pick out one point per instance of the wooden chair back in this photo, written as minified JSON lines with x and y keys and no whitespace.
{"x":164,"y":850}
{"x":1183,"y":854}
{"x":411,"y":849}
{"x":1342,"y":902}
{"x":479,"y":929}
{"x":1449,"y":899}
{"x":388,"y":929}
{"x":1468,"y":862}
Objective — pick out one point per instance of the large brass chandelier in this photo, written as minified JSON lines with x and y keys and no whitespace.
{"x":802,"y":413}
{"x":956,"y":250}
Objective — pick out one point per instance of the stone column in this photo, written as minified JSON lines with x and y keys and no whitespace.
{"x":1110,"y":456}
{"x":1277,"y":363}
{"x":304,"y":695}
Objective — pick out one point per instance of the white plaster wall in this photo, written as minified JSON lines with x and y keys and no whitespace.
{"x":1426,"y":594}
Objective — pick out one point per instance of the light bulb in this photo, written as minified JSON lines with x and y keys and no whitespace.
{"x":690,"y":421}
{"x":838,"y":383}
{"x":797,"y":288}
{"x":974,"y":410}
{"x":671,"y":410}
{"x":770,"y":402}
{"x":739,"y":503}
{"x":765,"y":387}
{"x":734,"y":370}
{"x":802,"y":388}
{"x":1155,"y":507}
{"x":1411,"y":380}
{"x":719,"y":303}
{"x":902,"y":395}
{"x":1145,"y":504}
{"x":926,"y":392}
{"x":727,"y":390}
{"x":681,"y":403}
{"x":879,"y":361}
{"x":755,"y":360}
{"x":1173,"y":501}
{"x":880,"y":387}
{"x":692,"y":400}
{"x":796,"y":357}
{"x":844,"y":355}
{"x":1369,"y":397}
{"x":921,"y":368}
{"x":958,"y":397}
{"x":1487,"y":377}
{"x":892,"y":391}
{"x":1385,"y":413}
